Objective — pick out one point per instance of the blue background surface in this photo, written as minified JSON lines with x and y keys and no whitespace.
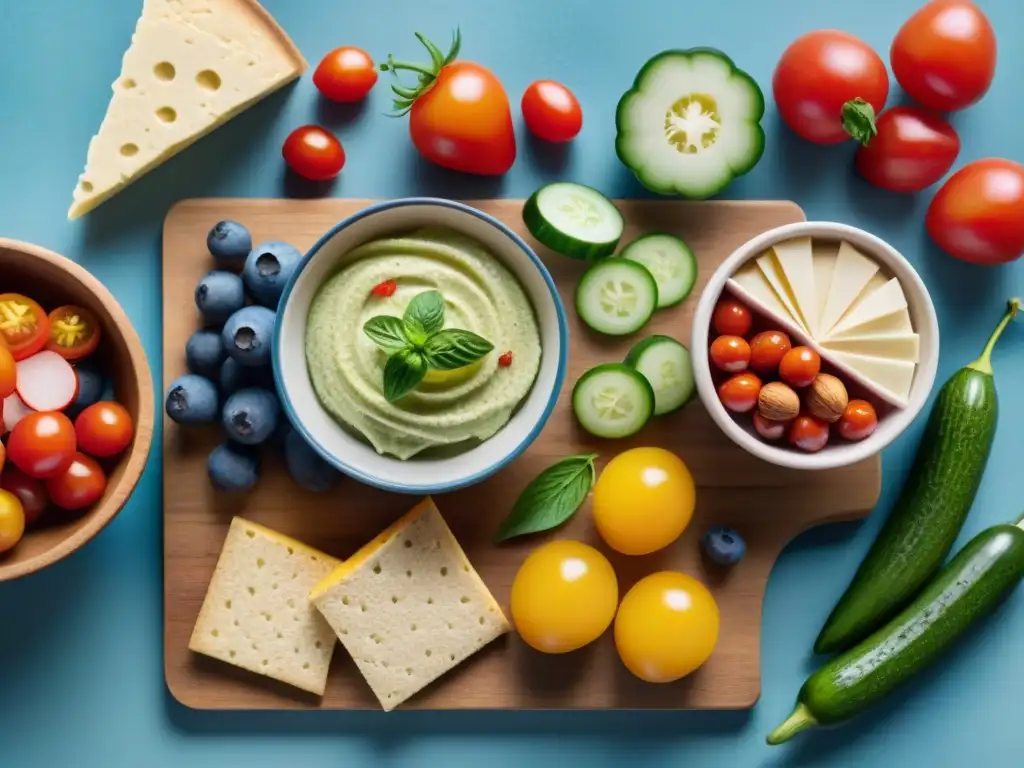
{"x":81,"y":672}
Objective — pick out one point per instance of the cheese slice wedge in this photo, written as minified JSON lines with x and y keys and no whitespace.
{"x":887,"y":325}
{"x":750,"y":285}
{"x":796,"y":260}
{"x":887,"y":300}
{"x":772,"y":270}
{"x":192,"y":66}
{"x":897,"y":346}
{"x":824,"y":257}
{"x":890,"y":378}
{"x":853,"y":270}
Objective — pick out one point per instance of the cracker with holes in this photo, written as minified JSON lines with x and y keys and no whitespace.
{"x":409,"y":607}
{"x":256,"y":614}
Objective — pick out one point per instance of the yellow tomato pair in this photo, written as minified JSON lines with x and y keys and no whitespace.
{"x":566,"y":594}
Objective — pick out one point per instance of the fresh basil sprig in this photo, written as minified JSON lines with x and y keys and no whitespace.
{"x":418,"y":341}
{"x":551,"y":498}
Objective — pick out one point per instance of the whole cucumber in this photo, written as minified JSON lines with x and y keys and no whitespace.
{"x":931,"y":508}
{"x":970,"y":586}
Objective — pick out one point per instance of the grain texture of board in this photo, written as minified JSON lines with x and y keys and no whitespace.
{"x":767,"y":504}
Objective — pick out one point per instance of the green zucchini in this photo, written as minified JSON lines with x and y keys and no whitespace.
{"x":574,"y":220}
{"x":932,"y":506}
{"x":974,"y":582}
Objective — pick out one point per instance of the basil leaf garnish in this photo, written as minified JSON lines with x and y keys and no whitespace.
{"x":454,"y":348}
{"x":424,"y":316}
{"x":551,"y":498}
{"x":386,"y":332}
{"x":403,"y":372}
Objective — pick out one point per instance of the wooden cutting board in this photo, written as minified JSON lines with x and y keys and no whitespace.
{"x":767,"y":504}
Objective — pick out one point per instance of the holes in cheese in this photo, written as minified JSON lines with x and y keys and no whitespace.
{"x":164,"y":71}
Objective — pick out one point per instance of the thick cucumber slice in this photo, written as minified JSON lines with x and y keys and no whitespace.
{"x":574,"y":220}
{"x":613,"y":400}
{"x":667,"y":365}
{"x":671,"y":262}
{"x":690,"y":124}
{"x":616,"y":297}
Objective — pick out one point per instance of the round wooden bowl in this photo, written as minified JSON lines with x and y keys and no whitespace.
{"x":53,"y":280}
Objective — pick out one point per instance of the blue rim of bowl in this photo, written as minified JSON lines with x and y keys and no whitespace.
{"x":563,"y":338}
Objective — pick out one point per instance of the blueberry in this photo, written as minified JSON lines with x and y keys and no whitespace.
{"x":204,"y":353}
{"x":229,"y":242}
{"x":235,"y":376}
{"x":233,"y":468}
{"x":192,"y":399}
{"x":724,"y":545}
{"x":247,"y":335}
{"x":267,"y":268}
{"x":219,"y":295}
{"x":91,"y":387}
{"x":306,"y":466}
{"x":250,"y":415}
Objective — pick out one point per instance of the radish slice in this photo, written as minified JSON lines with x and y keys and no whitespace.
{"x":47,"y":382}
{"x":14,"y":410}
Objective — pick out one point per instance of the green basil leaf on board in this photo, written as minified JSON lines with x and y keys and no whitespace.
{"x":454,"y":348}
{"x":386,"y":332}
{"x":424,"y":316}
{"x":403,"y":372}
{"x":551,"y":498}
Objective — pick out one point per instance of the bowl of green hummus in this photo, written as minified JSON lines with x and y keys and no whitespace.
{"x":421,"y":346}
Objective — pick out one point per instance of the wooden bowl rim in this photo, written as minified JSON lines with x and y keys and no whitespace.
{"x":136,"y":460}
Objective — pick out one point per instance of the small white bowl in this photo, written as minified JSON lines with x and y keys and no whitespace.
{"x":837,"y":453}
{"x":357,"y":458}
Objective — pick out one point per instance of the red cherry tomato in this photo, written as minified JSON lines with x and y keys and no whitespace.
{"x":731,"y":318}
{"x":551,"y":111}
{"x":104,"y":429}
{"x":913,"y":150}
{"x":730,"y":353}
{"x":314,"y":153}
{"x":74,"y":332}
{"x":808,"y":433}
{"x":768,"y":429}
{"x":858,"y":421}
{"x":978,"y":214}
{"x":739,"y":394}
{"x":8,"y":373}
{"x":23,"y":324}
{"x":767,"y":350}
{"x":42,"y":444}
{"x":80,"y":485}
{"x":345,"y":74}
{"x":944,"y":55}
{"x":31,"y":492}
{"x":829,"y":85}
{"x":799,"y":366}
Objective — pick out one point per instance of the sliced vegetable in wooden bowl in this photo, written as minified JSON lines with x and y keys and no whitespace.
{"x":69,"y":325}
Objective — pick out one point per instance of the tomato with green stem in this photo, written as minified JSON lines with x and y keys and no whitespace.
{"x":829,"y":85}
{"x":459,"y":114}
{"x":345,"y":74}
{"x":24,"y":325}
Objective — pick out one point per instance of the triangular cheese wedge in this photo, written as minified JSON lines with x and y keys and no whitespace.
{"x":192,"y":66}
{"x":852,"y":272}
{"x":898,"y":346}
{"x":773,"y":273}
{"x":886,"y":300}
{"x":824,"y":256}
{"x":795,"y":257}
{"x":890,"y":378}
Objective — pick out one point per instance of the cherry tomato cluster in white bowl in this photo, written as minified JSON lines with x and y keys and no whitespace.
{"x":57,"y":422}
{"x":783,"y":387}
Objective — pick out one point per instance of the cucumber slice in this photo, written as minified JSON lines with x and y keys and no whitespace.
{"x":613,"y":400}
{"x":574,"y":220}
{"x":671,"y":262}
{"x":666,"y":364}
{"x":690,"y":124}
{"x":616,"y":297}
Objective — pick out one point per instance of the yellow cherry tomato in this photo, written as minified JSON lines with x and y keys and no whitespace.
{"x":12,"y":520}
{"x":667,"y":626}
{"x":563,"y":597}
{"x":643,"y":500}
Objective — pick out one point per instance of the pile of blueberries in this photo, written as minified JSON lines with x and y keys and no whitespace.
{"x":230,"y":380}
